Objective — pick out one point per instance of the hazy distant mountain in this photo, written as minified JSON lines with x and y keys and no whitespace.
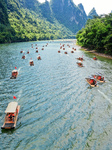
{"x":92,"y":14}
{"x":46,"y":11}
{"x":67,"y":13}
{"x":82,"y":9}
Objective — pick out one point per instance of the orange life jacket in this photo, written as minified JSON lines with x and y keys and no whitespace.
{"x":99,"y":77}
{"x":91,"y":81}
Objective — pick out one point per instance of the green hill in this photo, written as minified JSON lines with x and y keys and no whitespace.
{"x":26,"y":20}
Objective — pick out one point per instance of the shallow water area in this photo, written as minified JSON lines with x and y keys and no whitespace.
{"x":59,"y":110}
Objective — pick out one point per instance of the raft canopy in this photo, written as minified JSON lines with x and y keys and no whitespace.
{"x":80,"y":61}
{"x":11,"y":108}
{"x":14,"y":71}
{"x":91,"y":77}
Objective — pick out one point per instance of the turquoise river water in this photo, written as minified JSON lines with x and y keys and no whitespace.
{"x":59,"y":110}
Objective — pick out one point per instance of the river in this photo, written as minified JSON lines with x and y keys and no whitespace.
{"x":59,"y":110}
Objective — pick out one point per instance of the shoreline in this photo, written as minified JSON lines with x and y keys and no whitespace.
{"x":96,"y":53}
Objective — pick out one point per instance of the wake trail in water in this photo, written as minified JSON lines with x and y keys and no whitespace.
{"x":98,"y":62}
{"x":105,"y":96}
{"x":19,"y":69}
{"x":19,"y":95}
{"x":110,"y":85}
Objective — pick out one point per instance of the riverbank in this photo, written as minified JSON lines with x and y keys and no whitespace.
{"x":96,"y":53}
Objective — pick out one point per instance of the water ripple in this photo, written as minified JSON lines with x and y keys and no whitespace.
{"x":58,"y":110}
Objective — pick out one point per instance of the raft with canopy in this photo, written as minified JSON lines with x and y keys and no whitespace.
{"x":11,"y":116}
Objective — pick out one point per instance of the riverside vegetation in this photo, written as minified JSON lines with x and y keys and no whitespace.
{"x":97,"y":34}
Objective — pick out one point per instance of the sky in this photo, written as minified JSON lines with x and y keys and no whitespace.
{"x":101,"y":6}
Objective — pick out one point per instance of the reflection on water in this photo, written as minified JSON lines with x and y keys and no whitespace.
{"x":59,"y":110}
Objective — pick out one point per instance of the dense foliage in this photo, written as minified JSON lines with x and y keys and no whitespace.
{"x":97,"y":34}
{"x":6,"y":31}
{"x":3,"y":13}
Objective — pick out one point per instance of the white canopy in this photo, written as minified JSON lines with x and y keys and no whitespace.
{"x":11,"y":108}
{"x":14,"y":71}
{"x":80,"y":61}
